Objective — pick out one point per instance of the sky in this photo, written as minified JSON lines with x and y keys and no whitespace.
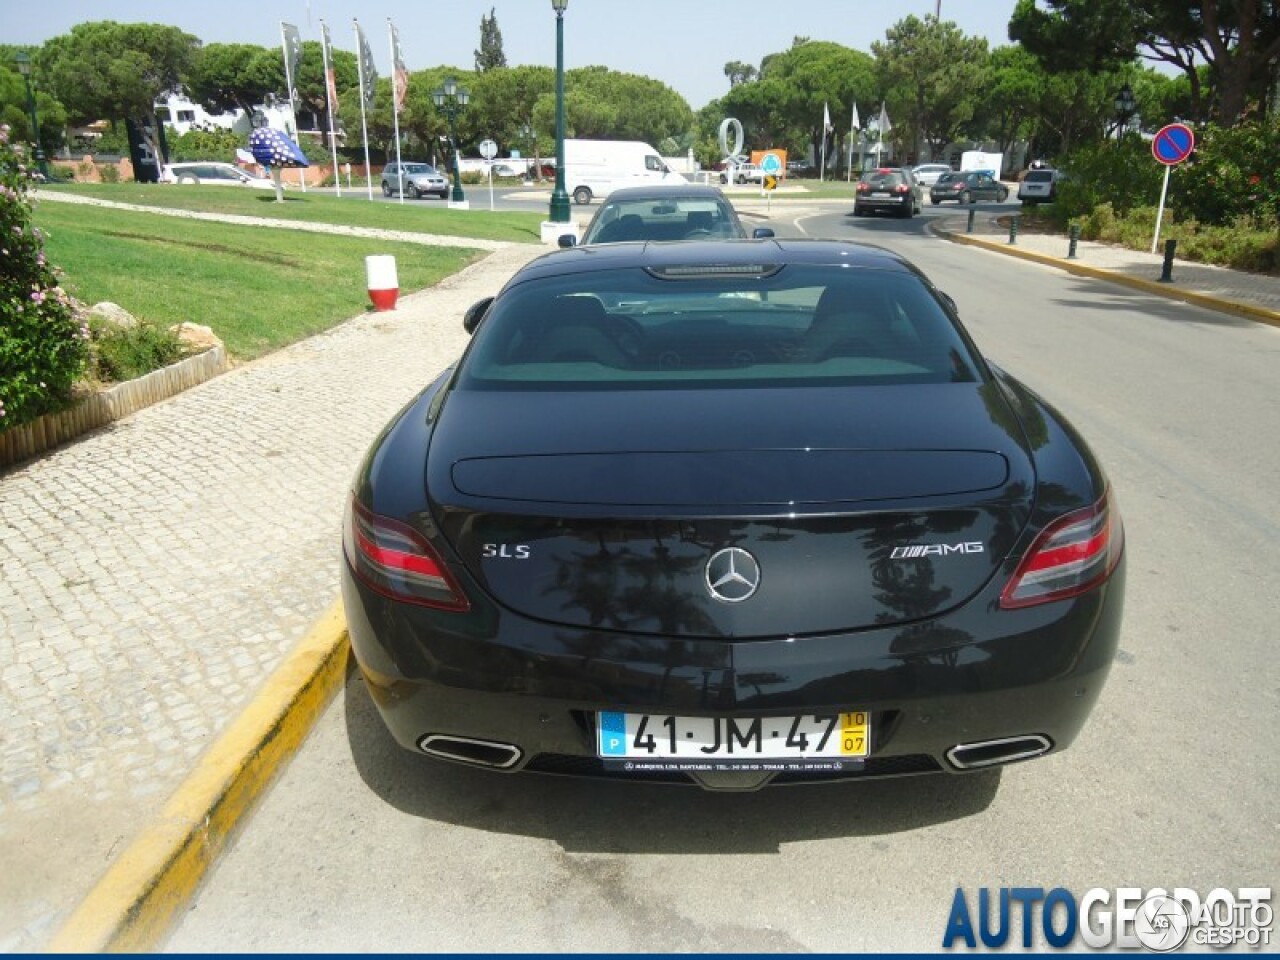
{"x":684,"y":44}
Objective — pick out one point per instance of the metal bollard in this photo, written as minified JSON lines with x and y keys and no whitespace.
{"x":1013,"y":228}
{"x":1166,"y":272}
{"x":1074,"y":235}
{"x":972,"y":213}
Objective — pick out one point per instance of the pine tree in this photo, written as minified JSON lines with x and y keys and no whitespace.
{"x":490,"y":55}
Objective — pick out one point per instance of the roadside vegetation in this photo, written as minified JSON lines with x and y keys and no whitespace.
{"x":1223,"y":205}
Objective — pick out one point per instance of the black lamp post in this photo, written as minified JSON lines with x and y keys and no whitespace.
{"x":1126,"y":107}
{"x":559,"y":197}
{"x":23,"y":61}
{"x":452,"y":98}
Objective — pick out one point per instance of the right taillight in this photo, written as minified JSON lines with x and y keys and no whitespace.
{"x":1073,"y":554}
{"x":396,"y":561}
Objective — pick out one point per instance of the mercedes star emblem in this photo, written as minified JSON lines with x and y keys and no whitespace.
{"x":732,"y":575}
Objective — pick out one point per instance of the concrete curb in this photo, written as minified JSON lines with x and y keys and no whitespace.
{"x":133,"y":905}
{"x":1223,"y":305}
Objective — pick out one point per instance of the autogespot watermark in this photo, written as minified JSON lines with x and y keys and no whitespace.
{"x":1126,"y":918}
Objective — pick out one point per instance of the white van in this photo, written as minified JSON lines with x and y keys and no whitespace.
{"x":594,"y":168}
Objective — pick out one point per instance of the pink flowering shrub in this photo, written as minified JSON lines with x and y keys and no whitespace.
{"x":44,"y":337}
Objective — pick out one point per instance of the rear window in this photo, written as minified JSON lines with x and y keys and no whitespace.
{"x":791,"y":326}
{"x":950,"y":177}
{"x":1039,"y":176}
{"x":663,"y":218}
{"x":878,"y":179}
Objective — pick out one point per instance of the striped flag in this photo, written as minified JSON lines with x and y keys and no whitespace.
{"x":292,"y":43}
{"x":330,"y":74}
{"x":368,"y":72}
{"x":399,"y":75}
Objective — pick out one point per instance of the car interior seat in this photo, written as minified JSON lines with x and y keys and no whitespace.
{"x":576,"y":331}
{"x":848,"y":322}
{"x":700,"y":221}
{"x":629,"y":226}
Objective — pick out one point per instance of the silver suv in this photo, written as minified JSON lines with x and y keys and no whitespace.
{"x":419,"y":178}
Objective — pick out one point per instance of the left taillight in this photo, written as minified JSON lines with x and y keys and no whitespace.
{"x":396,"y":561}
{"x":1072,"y":555}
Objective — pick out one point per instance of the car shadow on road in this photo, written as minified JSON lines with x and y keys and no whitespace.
{"x":587,"y":815}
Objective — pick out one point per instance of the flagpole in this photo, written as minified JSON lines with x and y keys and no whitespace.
{"x":328,"y":99}
{"x":364,"y":125}
{"x":293,"y":113}
{"x":395,"y":100}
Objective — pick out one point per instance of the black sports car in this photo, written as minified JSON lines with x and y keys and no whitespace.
{"x":730,"y":512}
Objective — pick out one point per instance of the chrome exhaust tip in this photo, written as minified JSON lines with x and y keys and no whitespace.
{"x":480,"y":753}
{"x":989,"y":753}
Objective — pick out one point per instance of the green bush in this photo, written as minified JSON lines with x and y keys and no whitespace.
{"x":109,"y":173}
{"x":121,"y":353}
{"x":1233,"y":174}
{"x":43,"y":335}
{"x":1119,"y":173}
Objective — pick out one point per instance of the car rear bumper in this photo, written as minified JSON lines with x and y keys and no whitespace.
{"x":882,"y":203}
{"x":530,"y":692}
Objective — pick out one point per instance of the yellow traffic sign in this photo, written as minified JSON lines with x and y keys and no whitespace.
{"x":771,"y":183}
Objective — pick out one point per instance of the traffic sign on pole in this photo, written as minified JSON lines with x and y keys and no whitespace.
{"x":1173,"y":143}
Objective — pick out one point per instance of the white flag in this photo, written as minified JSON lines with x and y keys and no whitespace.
{"x":826,"y":118}
{"x":883,"y":124}
{"x":853,"y":121}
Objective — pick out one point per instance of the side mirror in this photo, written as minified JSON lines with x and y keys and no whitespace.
{"x":762,"y":233}
{"x":475,"y":313}
{"x":567,"y":240}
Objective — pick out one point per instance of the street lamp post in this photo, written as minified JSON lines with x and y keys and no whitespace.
{"x":530,"y":141}
{"x":452,"y":98}
{"x":1126,"y":106}
{"x":559,"y":197}
{"x":23,"y":61}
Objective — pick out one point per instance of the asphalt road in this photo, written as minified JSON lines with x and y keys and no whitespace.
{"x":362,"y":846}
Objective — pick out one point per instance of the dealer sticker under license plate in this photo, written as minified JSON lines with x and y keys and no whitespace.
{"x":640,"y":741}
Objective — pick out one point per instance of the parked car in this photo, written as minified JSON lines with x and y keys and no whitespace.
{"x":927,"y":174}
{"x":1039,"y":186}
{"x":213,"y":172}
{"x":418,"y":178}
{"x":743,"y":173}
{"x":770,"y":514}
{"x":968,"y":187}
{"x":665,"y":213}
{"x":888,"y":189}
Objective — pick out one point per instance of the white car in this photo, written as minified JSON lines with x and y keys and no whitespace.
{"x":927,"y":174}
{"x":224,"y":174}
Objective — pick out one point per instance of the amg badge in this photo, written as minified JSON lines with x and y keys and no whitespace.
{"x":934,"y":550}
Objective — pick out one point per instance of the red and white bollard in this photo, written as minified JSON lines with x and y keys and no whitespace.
{"x":384,"y":287}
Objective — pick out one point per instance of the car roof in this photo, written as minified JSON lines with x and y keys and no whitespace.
{"x":721,"y":253}
{"x":664,"y":191}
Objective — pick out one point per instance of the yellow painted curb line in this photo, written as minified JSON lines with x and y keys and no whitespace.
{"x":1220,"y":304}
{"x":133,"y":905}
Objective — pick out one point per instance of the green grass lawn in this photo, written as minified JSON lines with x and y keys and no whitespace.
{"x":353,"y":209}
{"x":258,"y":288}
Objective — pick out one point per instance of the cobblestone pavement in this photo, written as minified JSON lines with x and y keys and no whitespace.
{"x":153,"y":573}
